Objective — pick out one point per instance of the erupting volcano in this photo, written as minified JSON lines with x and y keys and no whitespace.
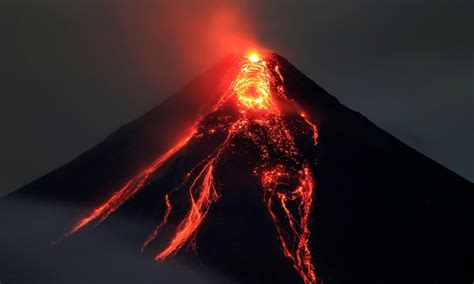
{"x":254,"y":111}
{"x":250,"y":173}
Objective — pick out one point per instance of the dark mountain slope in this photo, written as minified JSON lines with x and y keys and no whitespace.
{"x":383,"y":212}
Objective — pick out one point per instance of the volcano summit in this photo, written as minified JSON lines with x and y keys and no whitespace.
{"x":255,"y":172}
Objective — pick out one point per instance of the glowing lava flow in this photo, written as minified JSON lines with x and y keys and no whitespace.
{"x":294,"y":244}
{"x":252,"y":85}
{"x":281,"y":168}
{"x":128,"y":190}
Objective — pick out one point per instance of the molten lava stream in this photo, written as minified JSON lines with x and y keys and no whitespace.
{"x":294,"y":244}
{"x":128,"y":190}
{"x":260,"y":122}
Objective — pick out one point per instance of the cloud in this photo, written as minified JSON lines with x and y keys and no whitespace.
{"x":28,"y":228}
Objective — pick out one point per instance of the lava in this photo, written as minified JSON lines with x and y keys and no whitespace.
{"x":294,"y":243}
{"x":128,"y":190}
{"x":252,"y":85}
{"x":282,"y":170}
{"x":253,"y":57}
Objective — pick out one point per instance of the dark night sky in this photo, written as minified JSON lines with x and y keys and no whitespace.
{"x":69,"y":76}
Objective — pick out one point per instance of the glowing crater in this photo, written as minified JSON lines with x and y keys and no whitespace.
{"x":252,"y":85}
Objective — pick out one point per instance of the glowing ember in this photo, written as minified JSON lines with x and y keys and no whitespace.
{"x":283,"y":171}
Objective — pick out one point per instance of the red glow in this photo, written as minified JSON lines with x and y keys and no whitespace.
{"x":207,"y":194}
{"x":128,"y":190}
{"x":313,"y":127}
{"x":294,"y":243}
{"x":284,"y":173}
{"x":252,"y":85}
{"x":167,"y":39}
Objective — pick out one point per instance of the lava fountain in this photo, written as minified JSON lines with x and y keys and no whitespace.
{"x":285,"y":176}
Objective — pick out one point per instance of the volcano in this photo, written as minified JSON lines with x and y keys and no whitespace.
{"x":256,"y":174}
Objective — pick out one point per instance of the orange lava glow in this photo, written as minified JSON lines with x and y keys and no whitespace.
{"x":283,"y":171}
{"x":294,"y":243}
{"x":253,"y":57}
{"x":252,"y":85}
{"x":128,"y":190}
{"x":207,"y":194}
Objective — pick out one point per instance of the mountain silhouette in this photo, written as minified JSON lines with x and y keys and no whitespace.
{"x":379,"y":211}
